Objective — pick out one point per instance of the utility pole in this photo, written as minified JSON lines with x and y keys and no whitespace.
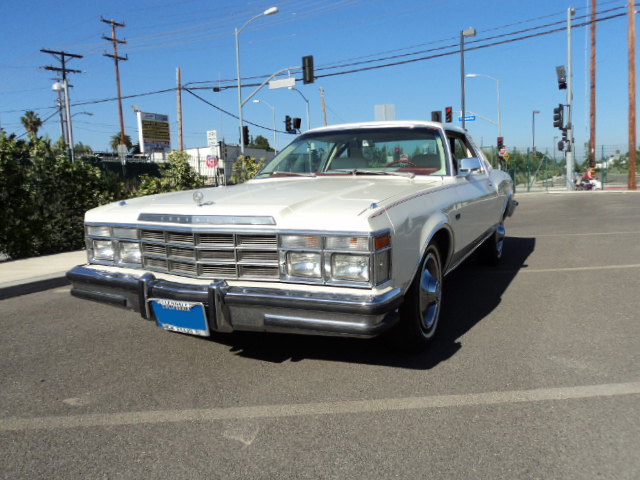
{"x":62,"y":58}
{"x":116,"y":58}
{"x":631,"y":38}
{"x":324,"y":111}
{"x":570,"y":146}
{"x":592,"y":115}
{"x":179,"y":90}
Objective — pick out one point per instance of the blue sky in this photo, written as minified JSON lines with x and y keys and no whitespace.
{"x":197,"y":36}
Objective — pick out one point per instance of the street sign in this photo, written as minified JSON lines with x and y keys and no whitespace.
{"x":503,"y":151}
{"x":283,"y":83}
{"x":506,"y":157}
{"x":212,"y":161}
{"x":468,"y":118}
{"x":212,"y":138}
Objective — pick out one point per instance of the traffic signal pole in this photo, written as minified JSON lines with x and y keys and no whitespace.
{"x":570,"y":146}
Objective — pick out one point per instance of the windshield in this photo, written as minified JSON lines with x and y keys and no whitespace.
{"x":418,"y":151}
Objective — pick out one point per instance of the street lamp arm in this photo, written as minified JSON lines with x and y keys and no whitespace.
{"x":265,"y":82}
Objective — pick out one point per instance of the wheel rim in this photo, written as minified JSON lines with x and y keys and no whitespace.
{"x":430,"y":293}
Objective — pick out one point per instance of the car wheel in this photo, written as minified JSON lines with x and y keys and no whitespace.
{"x":490,"y":252}
{"x":420,"y":311}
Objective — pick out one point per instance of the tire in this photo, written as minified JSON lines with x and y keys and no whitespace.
{"x":420,"y":312}
{"x":490,"y":252}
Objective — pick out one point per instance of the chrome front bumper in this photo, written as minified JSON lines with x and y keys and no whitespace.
{"x":232,"y":308}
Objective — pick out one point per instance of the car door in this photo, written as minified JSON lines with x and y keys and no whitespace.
{"x":477,"y":196}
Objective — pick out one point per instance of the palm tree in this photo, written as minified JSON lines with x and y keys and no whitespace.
{"x":31,"y":122}
{"x":115,"y":141}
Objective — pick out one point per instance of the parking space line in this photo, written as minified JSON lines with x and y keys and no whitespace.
{"x":326,"y":408}
{"x":572,"y":234}
{"x":573,"y":269}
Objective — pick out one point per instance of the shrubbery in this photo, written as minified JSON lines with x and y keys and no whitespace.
{"x":44,"y":197}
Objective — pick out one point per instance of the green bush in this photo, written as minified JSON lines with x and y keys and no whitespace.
{"x":245,"y":169}
{"x":178,"y":175}
{"x":44,"y":198}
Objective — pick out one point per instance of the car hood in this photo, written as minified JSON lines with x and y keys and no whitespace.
{"x":312,"y":203}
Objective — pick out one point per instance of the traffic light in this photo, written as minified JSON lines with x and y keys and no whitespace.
{"x":436,"y":116}
{"x":245,"y":135}
{"x":562,"y":77}
{"x":297,"y":122}
{"x":307,"y":69}
{"x":287,"y":123}
{"x":500,"y":142}
{"x":558,"y":114}
{"x":564,"y":134}
{"x":448,"y":114}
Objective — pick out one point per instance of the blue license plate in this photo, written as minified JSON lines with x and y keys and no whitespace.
{"x":182,"y":317}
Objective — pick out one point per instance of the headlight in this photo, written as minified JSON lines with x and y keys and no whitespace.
{"x":103,"y":250}
{"x":302,"y":264}
{"x":130,"y":252}
{"x":353,"y":268}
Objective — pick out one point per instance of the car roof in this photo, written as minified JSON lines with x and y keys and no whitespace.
{"x":385,"y":124}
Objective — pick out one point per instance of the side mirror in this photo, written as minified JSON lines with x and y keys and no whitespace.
{"x":468,"y":165}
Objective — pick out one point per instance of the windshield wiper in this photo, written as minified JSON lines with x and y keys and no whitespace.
{"x":289,"y":174}
{"x":355,"y":171}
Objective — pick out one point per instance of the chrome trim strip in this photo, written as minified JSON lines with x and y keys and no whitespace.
{"x":206,"y":219}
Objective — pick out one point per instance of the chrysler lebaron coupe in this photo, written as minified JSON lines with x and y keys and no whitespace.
{"x":349,"y":231}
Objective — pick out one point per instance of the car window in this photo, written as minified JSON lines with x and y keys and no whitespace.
{"x":368,"y":150}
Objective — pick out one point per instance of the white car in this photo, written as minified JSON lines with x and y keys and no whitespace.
{"x":348,"y":231}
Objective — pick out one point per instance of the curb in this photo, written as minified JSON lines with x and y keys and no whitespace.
{"x":33,"y":285}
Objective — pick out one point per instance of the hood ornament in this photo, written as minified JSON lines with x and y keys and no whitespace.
{"x":197,"y":197}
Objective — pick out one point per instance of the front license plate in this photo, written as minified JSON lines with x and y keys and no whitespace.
{"x":179,"y":316}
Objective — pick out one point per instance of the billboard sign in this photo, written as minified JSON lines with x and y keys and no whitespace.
{"x":154,"y":132}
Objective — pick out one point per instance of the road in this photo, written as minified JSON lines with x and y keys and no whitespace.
{"x":536,"y":374}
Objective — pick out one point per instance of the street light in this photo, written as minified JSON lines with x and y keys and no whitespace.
{"x":308,"y":110}
{"x":497,"y":80}
{"x":64,"y":86}
{"x":533,"y":126}
{"x":273,"y":111}
{"x":468,"y":32}
{"x":269,"y":11}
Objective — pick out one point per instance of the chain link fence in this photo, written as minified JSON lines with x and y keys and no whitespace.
{"x":545,"y":170}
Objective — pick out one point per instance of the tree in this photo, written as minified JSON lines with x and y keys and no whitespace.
{"x":115,"y":141}
{"x":260,"y":142}
{"x":31,"y":122}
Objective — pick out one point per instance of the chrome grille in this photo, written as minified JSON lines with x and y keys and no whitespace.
{"x":211,"y":255}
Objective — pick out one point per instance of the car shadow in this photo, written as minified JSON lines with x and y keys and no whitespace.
{"x":470,"y":293}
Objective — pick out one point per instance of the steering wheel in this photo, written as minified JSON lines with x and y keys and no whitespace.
{"x":409,"y":162}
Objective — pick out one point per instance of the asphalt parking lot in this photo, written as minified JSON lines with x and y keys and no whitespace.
{"x":536,"y":374}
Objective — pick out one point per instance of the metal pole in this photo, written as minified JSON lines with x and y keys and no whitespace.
{"x":462,"y":74}
{"x":499,"y":121}
{"x":570,"y":152}
{"x":239,"y":91}
{"x":631,"y":40}
{"x":67,"y":104}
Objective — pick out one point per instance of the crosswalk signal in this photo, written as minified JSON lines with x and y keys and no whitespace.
{"x":448,"y":114}
{"x":558,"y":114}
